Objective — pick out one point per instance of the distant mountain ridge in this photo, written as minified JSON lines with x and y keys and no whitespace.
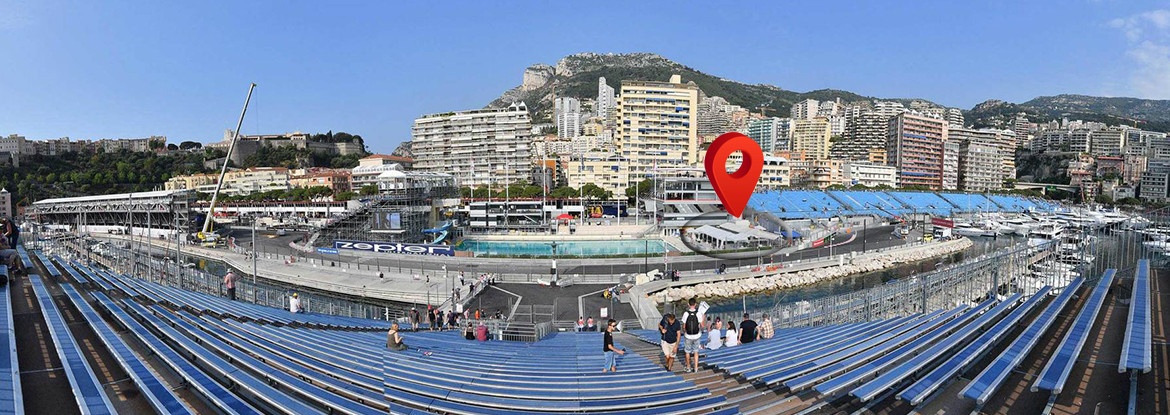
{"x":576,"y":76}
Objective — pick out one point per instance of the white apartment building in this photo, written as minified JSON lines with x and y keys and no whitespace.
{"x":255,"y":180}
{"x":805,"y":110}
{"x":479,"y":147}
{"x":950,"y":164}
{"x":568,"y":117}
{"x":776,"y":173}
{"x":1080,"y":140}
{"x":1109,"y":142}
{"x":5,"y":203}
{"x":658,"y":125}
{"x":869,"y":174}
{"x":606,"y":101}
{"x":607,"y":171}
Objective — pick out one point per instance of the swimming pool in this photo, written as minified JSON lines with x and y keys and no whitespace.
{"x":566,"y":248}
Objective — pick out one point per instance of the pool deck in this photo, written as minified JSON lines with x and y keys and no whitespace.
{"x":586,"y":232}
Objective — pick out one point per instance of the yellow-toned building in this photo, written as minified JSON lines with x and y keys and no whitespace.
{"x":607,"y":171}
{"x":338,"y":180}
{"x":190,"y":182}
{"x":811,"y":137}
{"x":657,"y":125}
{"x":255,"y":180}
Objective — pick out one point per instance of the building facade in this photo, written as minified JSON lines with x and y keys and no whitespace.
{"x":490,"y":146}
{"x":657,"y":125}
{"x":811,"y":137}
{"x":869,"y":174}
{"x":914,"y":146}
{"x":607,"y":171}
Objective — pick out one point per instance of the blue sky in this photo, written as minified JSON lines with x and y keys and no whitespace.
{"x":126,"y":69}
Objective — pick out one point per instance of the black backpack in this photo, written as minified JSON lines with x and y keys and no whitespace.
{"x":692,"y":325}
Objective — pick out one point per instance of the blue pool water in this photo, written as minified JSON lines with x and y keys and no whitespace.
{"x":565,"y":248}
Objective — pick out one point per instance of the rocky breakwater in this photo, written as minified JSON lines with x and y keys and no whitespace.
{"x":790,"y":279}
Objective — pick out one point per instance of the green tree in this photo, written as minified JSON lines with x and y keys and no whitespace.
{"x":1103,"y":199}
{"x":643,"y":187}
{"x":564,"y":192}
{"x":344,"y":196}
{"x":595,"y":192}
{"x":369,"y":190}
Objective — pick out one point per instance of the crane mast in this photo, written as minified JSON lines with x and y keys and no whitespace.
{"x":205,"y":234}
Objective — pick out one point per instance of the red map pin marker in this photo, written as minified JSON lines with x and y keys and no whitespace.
{"x":734,"y":189}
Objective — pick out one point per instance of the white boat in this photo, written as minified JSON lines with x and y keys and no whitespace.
{"x":973,"y":231}
{"x":1050,"y":230}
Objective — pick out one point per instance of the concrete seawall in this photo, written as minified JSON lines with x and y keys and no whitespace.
{"x":646,"y":297}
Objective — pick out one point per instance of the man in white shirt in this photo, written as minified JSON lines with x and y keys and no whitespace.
{"x":692,"y":332}
{"x":294,"y":303}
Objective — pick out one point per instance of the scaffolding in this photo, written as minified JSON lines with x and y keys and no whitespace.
{"x":414,"y":210}
{"x":165,"y":210}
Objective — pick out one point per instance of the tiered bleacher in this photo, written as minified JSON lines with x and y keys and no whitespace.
{"x":1137,"y":348}
{"x":805,"y":204}
{"x":245,"y":358}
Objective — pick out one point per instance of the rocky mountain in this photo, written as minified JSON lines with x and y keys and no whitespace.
{"x":576,"y":76}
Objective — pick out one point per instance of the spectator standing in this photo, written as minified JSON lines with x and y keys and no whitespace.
{"x":229,"y":282}
{"x":611,"y":352}
{"x":669,"y":327}
{"x":11,"y":231}
{"x":481,"y":333}
{"x":731,"y":338}
{"x":766,"y":331}
{"x":439,"y":319}
{"x":692,"y":332}
{"x":414,"y":318}
{"x":747,"y":330}
{"x":294,"y":303}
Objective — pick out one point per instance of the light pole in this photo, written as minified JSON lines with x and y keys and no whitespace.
{"x":448,"y":278}
{"x":254,"y":268}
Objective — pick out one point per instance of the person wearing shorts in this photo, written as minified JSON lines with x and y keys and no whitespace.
{"x":669,"y":327}
{"x":611,"y":351}
{"x":692,"y":323}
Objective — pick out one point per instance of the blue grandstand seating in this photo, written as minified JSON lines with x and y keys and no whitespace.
{"x":219,"y":396}
{"x":946,"y":370}
{"x":86,"y":387}
{"x":870,"y":203}
{"x":870,"y":350}
{"x":158,"y":394}
{"x":988,"y":381}
{"x":24,"y":257}
{"x":53,"y":271}
{"x":89,"y":275}
{"x":1014,"y":203}
{"x":797,"y":204}
{"x":1056,"y":372}
{"x":1137,"y":348}
{"x":896,"y":374}
{"x":69,"y":269}
{"x":10,"y":390}
{"x":260,"y":389}
{"x":970,"y":202}
{"x":923,"y":202}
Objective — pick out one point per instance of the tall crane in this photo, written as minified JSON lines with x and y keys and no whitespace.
{"x":206,"y":236}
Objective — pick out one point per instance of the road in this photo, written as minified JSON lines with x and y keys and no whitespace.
{"x":870,"y":238}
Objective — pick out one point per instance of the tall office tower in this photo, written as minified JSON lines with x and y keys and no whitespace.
{"x":568,"y":117}
{"x":810,"y":137}
{"x":657,"y":125}
{"x":489,"y":146}
{"x":606,"y":101}
{"x":914,"y":145}
{"x":805,"y":110}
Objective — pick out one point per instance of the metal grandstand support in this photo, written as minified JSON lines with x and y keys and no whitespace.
{"x":167,"y":210}
{"x":1001,"y":273}
{"x":415,"y":208}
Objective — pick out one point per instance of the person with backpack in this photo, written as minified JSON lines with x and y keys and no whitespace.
{"x":692,"y":332}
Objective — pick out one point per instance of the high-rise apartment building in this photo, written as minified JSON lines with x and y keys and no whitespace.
{"x":607,"y":171}
{"x":606,"y":101}
{"x":865,"y":133}
{"x":1108,"y":142}
{"x":914,"y":146}
{"x":980,"y":159}
{"x":950,"y":173}
{"x":489,"y":146}
{"x":954,"y":116}
{"x":568,"y":117}
{"x":811,"y":137}
{"x":805,"y":110}
{"x":657,"y":124}
{"x":772,"y":134}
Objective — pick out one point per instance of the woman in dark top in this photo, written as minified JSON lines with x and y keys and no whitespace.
{"x":611,"y":352}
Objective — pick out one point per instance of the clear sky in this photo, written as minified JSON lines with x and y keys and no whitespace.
{"x":109,"y":69}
